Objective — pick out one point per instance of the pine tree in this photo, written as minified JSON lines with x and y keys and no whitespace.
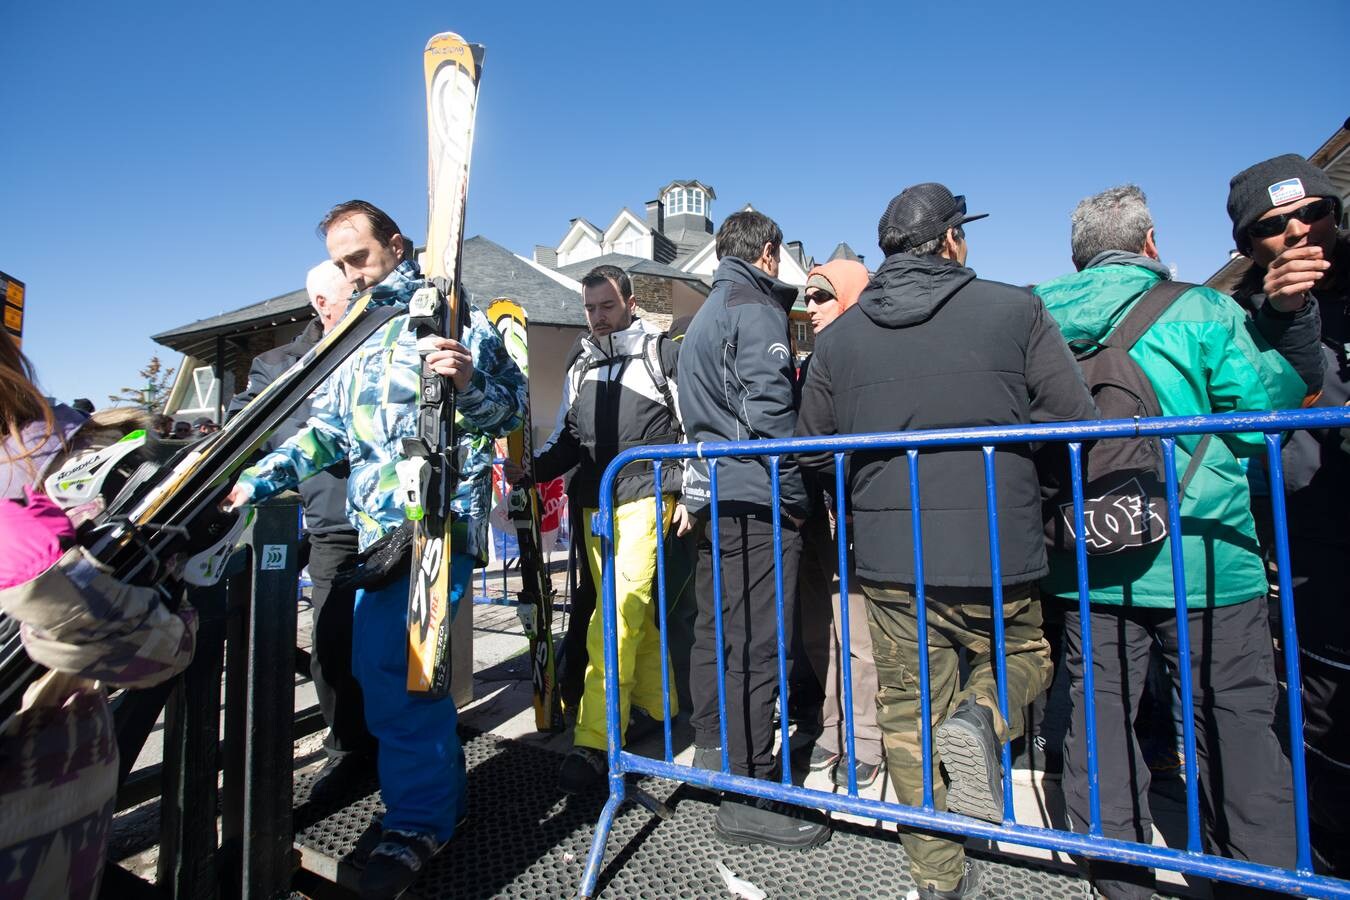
{"x":151,"y":397}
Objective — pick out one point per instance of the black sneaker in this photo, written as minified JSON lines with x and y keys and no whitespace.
{"x":969,"y":749}
{"x":822,"y":758}
{"x":760,"y":821}
{"x":395,"y":863}
{"x":585,"y":770}
{"x":866,"y":772}
{"x":709,"y":758}
{"x":341,"y":776}
{"x":642,"y":724}
{"x":1036,"y":755}
{"x":968,"y":888}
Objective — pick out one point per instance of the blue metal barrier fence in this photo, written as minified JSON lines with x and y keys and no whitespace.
{"x":1192,"y":860}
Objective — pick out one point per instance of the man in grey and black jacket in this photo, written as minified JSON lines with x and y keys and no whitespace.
{"x":332,"y":542}
{"x":621,"y":388}
{"x":737,"y":383}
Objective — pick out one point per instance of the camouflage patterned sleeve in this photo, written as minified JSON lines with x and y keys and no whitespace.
{"x":494,"y":402}
{"x":76,"y":618}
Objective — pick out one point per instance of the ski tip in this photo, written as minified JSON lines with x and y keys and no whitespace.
{"x":445,"y":37}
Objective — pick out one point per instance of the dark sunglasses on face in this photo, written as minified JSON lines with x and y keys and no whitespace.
{"x":1307,"y":214}
{"x":819,"y":298}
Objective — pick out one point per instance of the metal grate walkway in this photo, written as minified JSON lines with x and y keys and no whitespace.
{"x":524,"y":839}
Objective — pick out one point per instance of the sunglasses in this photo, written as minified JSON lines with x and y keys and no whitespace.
{"x":819,"y":298}
{"x":1307,"y":214}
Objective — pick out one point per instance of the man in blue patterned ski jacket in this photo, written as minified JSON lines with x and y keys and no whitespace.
{"x":361,"y":414}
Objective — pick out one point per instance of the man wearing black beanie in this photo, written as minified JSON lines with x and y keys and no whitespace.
{"x":1285,"y":214}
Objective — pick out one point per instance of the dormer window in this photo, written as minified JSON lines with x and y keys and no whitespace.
{"x":686,"y":200}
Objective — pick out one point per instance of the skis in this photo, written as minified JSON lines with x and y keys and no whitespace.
{"x":429,"y":475}
{"x":161,"y":512}
{"x":535,"y":601}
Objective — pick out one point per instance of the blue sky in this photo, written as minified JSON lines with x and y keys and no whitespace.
{"x":165,"y":162}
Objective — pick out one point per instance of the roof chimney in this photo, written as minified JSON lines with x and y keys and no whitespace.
{"x":656,"y":216}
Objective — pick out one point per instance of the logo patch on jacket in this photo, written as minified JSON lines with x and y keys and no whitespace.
{"x":779,"y":348}
{"x":1287,"y":191}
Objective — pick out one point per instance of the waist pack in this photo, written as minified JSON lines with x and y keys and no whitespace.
{"x":1124,"y":480}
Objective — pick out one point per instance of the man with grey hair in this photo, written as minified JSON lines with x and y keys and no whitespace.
{"x":1202,"y":354}
{"x":330,"y":292}
{"x":332,"y":543}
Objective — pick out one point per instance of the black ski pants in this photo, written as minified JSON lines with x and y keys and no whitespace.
{"x":330,"y":662}
{"x":1321,"y":581}
{"x":1246,"y":788}
{"x":749,"y":637}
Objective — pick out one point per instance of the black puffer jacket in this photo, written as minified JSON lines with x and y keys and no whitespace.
{"x":929,"y":345}
{"x":324,"y":495}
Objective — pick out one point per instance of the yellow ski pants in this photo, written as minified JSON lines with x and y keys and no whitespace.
{"x":635,"y":605}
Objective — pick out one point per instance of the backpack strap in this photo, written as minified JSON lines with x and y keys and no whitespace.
{"x":1140,"y":319}
{"x":1145,"y":312}
{"x":651,"y":355}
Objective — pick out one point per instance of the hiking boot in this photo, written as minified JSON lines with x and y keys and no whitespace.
{"x":866,"y":772}
{"x":967,"y":889}
{"x":760,"y":821}
{"x":585,"y":770}
{"x":642,"y":724}
{"x":822,"y":758}
{"x":968,"y":746}
{"x":395,"y":863}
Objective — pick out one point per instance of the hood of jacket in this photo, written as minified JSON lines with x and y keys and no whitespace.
{"x":735,"y":270}
{"x":847,"y":277}
{"x":909,"y":289}
{"x":1088,"y":304}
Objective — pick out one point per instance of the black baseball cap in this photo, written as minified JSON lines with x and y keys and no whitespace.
{"x":924,"y":212}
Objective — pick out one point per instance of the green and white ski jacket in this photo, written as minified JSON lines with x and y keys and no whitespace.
{"x":365,"y":409}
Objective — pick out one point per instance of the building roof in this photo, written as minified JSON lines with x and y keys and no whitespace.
{"x":844,"y":251}
{"x":490,"y":270}
{"x":1334,"y":158}
{"x":633,"y":265}
{"x":199,"y":338}
{"x":693,"y":183}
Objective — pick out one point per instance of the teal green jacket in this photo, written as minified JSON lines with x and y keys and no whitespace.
{"x":1203,"y":355}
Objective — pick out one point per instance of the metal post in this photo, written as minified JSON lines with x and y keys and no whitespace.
{"x":239,"y":589}
{"x":268,"y":835}
{"x":661,"y":608}
{"x":187,"y":851}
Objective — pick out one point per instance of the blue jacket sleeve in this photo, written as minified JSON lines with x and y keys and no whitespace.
{"x":494,"y":402}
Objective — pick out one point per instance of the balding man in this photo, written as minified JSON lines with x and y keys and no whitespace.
{"x":332,"y":541}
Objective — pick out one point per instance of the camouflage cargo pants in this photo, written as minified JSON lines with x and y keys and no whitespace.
{"x":957,"y":618}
